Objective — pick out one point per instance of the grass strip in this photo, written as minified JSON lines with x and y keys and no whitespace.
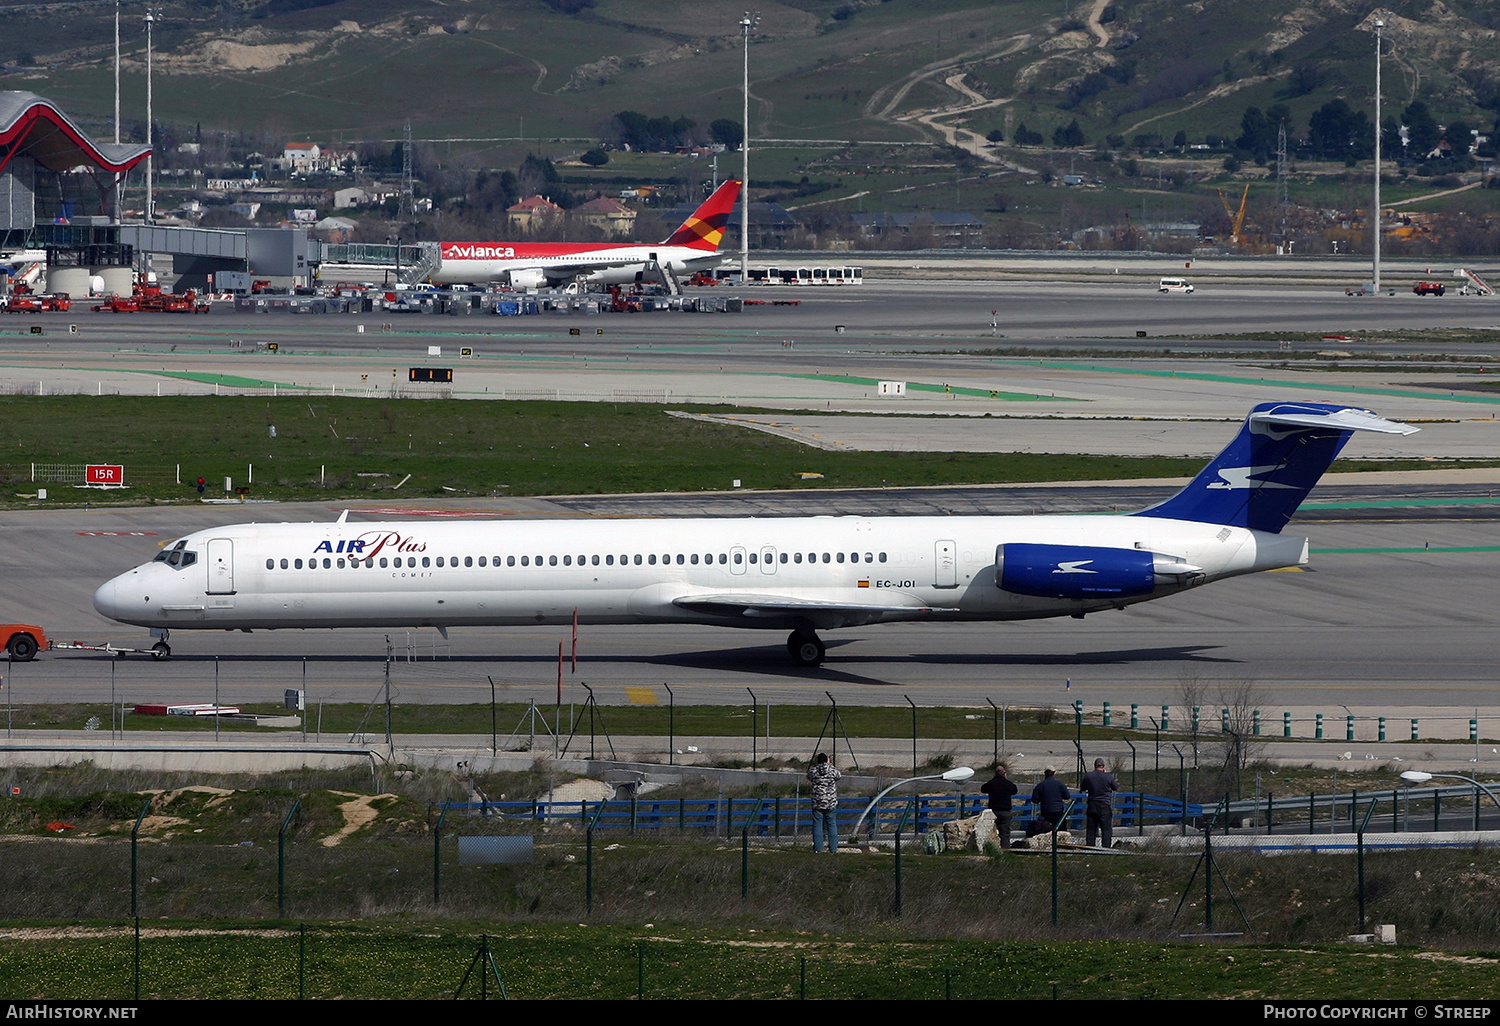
{"x":193,"y":961}
{"x":328,"y":448}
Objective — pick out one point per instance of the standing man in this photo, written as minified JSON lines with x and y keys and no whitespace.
{"x":1050,"y":795}
{"x":825,"y":802}
{"x":1001,"y":788}
{"x":1100,"y":788}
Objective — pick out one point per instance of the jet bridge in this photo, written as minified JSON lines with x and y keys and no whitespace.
{"x":365,"y":261}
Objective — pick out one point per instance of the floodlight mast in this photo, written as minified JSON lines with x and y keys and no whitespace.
{"x":150,"y":144}
{"x":1375,"y":221}
{"x":747,"y":25}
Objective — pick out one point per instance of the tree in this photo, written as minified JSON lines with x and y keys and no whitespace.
{"x":1026,"y":137}
{"x":1422,"y":132}
{"x":994,"y":135}
{"x":1238,"y":744}
{"x":1460,"y":137}
{"x":595,"y":157}
{"x":1179,"y":140}
{"x":1337,"y":132}
{"x":1257,"y":134}
{"x":727,"y":132}
{"x":1069,"y":135}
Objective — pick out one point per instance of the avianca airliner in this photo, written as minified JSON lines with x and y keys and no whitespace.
{"x":796,"y":574}
{"x":694,"y":246}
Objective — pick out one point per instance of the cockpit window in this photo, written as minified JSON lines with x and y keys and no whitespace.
{"x":177,"y":556}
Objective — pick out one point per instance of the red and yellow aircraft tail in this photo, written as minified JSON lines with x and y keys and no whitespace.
{"x":704,"y":228}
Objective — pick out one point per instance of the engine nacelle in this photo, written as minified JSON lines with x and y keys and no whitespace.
{"x":527,"y":278}
{"x":1086,"y":572}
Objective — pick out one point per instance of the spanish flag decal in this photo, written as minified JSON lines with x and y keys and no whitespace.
{"x":864,"y":584}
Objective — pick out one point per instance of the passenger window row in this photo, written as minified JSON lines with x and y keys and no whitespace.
{"x":638,"y":559}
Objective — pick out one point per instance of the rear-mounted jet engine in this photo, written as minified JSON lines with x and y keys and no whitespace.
{"x":1087,"y":572}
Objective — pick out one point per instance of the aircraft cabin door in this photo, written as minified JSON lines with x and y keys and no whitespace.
{"x":768,"y":559}
{"x":220,"y":566}
{"x":945,"y":565}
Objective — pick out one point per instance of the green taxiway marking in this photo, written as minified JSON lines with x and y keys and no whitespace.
{"x":921,"y":386}
{"x":1477,"y":500}
{"x":1405,"y":393}
{"x":1413,"y":548}
{"x":230,"y":380}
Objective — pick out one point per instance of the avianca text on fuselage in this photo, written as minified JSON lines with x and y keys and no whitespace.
{"x":476,"y":251}
{"x":799,"y":574}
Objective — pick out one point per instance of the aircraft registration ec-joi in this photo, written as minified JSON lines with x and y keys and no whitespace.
{"x":797,"y":574}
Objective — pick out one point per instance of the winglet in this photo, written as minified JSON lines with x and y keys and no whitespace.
{"x":1263,"y":475}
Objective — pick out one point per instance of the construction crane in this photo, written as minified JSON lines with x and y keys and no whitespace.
{"x":1236,"y":220}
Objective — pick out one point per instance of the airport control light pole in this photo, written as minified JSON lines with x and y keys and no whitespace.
{"x":117,"y":72}
{"x":150,"y":157}
{"x":119,"y":177}
{"x":1375,"y":221}
{"x":747,"y":24}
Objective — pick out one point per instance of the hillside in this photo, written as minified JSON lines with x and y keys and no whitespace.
{"x":901,"y":70}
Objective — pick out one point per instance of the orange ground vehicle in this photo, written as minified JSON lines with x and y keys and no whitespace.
{"x":22,"y":641}
{"x":152,"y":299}
{"x":24,"y":300}
{"x":623,"y":302}
{"x":118,"y":304}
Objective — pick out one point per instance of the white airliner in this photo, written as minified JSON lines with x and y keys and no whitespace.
{"x":797,"y":574}
{"x":694,"y":246}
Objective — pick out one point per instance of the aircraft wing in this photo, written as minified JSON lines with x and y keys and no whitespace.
{"x":566,"y":272}
{"x":778,"y":607}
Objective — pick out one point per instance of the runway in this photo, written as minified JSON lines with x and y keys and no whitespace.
{"x":1396,"y":611}
{"x":1391,"y":613}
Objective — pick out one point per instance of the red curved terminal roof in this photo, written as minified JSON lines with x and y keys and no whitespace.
{"x":33,"y":126}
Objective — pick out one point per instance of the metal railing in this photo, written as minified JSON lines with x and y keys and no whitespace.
{"x":788,"y":817}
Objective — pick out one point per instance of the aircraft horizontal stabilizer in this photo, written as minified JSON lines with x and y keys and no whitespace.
{"x":1347,"y":419}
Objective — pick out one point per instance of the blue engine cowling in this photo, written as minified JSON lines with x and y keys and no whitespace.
{"x":1074,"y":571}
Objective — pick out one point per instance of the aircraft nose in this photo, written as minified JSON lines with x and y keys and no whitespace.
{"x":106,"y":599}
{"x":109,"y":599}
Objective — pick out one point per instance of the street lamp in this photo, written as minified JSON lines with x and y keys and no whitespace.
{"x":150,"y":156}
{"x":1375,"y":223}
{"x":1419,"y":777}
{"x":957,"y":775}
{"x":747,"y":25}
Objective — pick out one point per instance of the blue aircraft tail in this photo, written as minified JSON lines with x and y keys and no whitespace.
{"x":1261,"y":477}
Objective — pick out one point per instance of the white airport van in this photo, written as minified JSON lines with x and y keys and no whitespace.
{"x":1175,"y":285}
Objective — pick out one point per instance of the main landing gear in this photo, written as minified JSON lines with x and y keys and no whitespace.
{"x":805,"y":648}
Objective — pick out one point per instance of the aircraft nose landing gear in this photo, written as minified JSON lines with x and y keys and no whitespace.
{"x":805,"y":648}
{"x":161,"y":650}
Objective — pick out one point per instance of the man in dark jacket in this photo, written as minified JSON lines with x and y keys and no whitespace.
{"x":1100,"y":787}
{"x":1050,"y":795}
{"x":1001,"y":788}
